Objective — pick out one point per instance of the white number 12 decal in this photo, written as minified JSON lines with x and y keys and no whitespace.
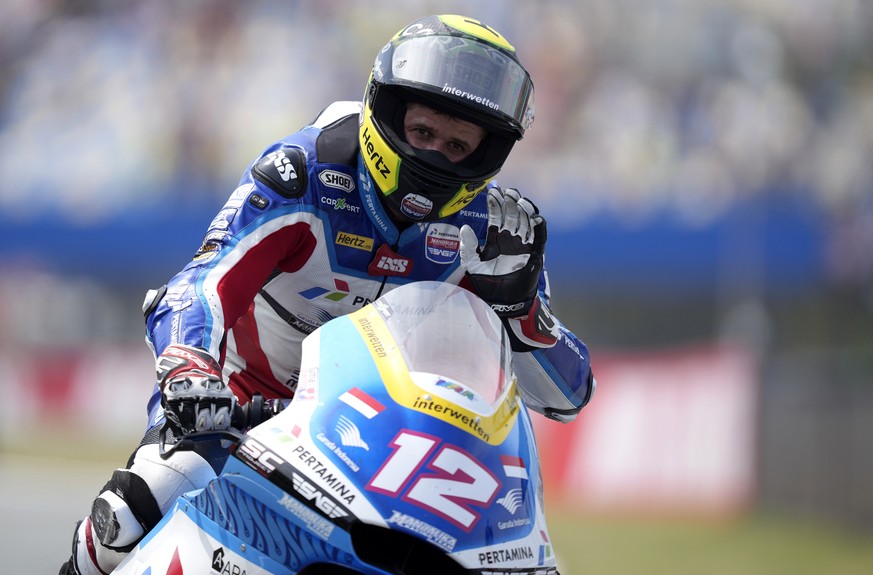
{"x":456,"y":484}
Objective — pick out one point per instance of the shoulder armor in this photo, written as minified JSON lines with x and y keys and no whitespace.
{"x":338,"y":141}
{"x":283,"y":171}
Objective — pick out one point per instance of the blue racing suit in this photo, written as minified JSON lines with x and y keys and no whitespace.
{"x":303,"y":239}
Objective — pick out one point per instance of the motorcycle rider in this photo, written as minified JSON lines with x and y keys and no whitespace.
{"x":373,"y":194}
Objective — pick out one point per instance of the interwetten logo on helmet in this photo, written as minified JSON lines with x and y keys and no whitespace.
{"x":473,"y":28}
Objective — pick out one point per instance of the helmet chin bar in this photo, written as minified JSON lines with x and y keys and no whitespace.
{"x":425,"y":185}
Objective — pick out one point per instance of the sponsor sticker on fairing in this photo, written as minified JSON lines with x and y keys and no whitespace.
{"x":512,"y":501}
{"x":513,"y":466}
{"x":436,"y":536}
{"x":338,"y":451}
{"x":314,"y":522}
{"x":361,"y":402}
{"x":506,"y":555}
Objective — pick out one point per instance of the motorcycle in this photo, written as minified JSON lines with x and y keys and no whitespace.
{"x":407,"y":450}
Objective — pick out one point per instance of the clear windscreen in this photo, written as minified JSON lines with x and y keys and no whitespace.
{"x":445,"y":330}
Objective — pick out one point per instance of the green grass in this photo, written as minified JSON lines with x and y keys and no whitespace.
{"x":751,"y":546}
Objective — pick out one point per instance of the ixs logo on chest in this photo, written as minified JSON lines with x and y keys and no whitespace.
{"x":442,"y":243}
{"x":387,"y":262}
{"x":338,"y":180}
{"x":395,"y":266}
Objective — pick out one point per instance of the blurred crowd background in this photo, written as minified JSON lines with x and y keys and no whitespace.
{"x":706,"y":168}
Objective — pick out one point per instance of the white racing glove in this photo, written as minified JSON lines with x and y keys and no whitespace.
{"x":506,"y":269}
{"x":194,"y":395}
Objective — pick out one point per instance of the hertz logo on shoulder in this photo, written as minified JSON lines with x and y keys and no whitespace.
{"x":354,"y":241}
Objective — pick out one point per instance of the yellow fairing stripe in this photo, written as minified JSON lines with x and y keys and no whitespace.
{"x":392,"y":368}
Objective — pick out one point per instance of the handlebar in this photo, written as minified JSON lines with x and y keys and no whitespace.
{"x":256,"y":411}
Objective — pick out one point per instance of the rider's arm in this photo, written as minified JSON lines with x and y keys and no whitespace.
{"x":262,"y":227}
{"x":555,"y":377}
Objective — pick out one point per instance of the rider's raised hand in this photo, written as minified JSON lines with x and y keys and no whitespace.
{"x":505,"y":270}
{"x":194,"y":395}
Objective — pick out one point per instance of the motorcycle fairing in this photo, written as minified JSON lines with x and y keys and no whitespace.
{"x":413,"y":452}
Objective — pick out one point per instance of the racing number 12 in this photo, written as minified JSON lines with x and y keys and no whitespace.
{"x":456,"y":484}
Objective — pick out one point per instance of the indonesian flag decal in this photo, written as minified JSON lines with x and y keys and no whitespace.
{"x":513,"y":466}
{"x":362,"y":403}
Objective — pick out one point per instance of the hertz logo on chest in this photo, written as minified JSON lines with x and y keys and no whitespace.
{"x":338,"y":180}
{"x":354,"y":241}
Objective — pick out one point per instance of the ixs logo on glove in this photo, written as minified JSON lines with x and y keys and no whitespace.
{"x":389,"y":263}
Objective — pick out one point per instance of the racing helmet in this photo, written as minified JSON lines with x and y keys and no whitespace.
{"x":457,"y":66}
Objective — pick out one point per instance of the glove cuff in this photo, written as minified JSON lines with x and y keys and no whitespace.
{"x":513,"y":310}
{"x":537,"y":329}
{"x":178,"y":358}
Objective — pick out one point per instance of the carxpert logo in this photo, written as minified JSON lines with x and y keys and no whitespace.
{"x":341,"y":204}
{"x":224,"y":567}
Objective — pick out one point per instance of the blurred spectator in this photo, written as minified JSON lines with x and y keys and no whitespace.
{"x":643,"y":105}
{"x":648,"y":111}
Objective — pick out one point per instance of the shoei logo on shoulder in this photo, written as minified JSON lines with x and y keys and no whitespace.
{"x":338,"y":180}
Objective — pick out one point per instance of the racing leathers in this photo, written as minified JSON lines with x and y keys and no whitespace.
{"x":304,"y":239}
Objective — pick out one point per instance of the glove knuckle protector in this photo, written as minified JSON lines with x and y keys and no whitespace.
{"x":194,"y":395}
